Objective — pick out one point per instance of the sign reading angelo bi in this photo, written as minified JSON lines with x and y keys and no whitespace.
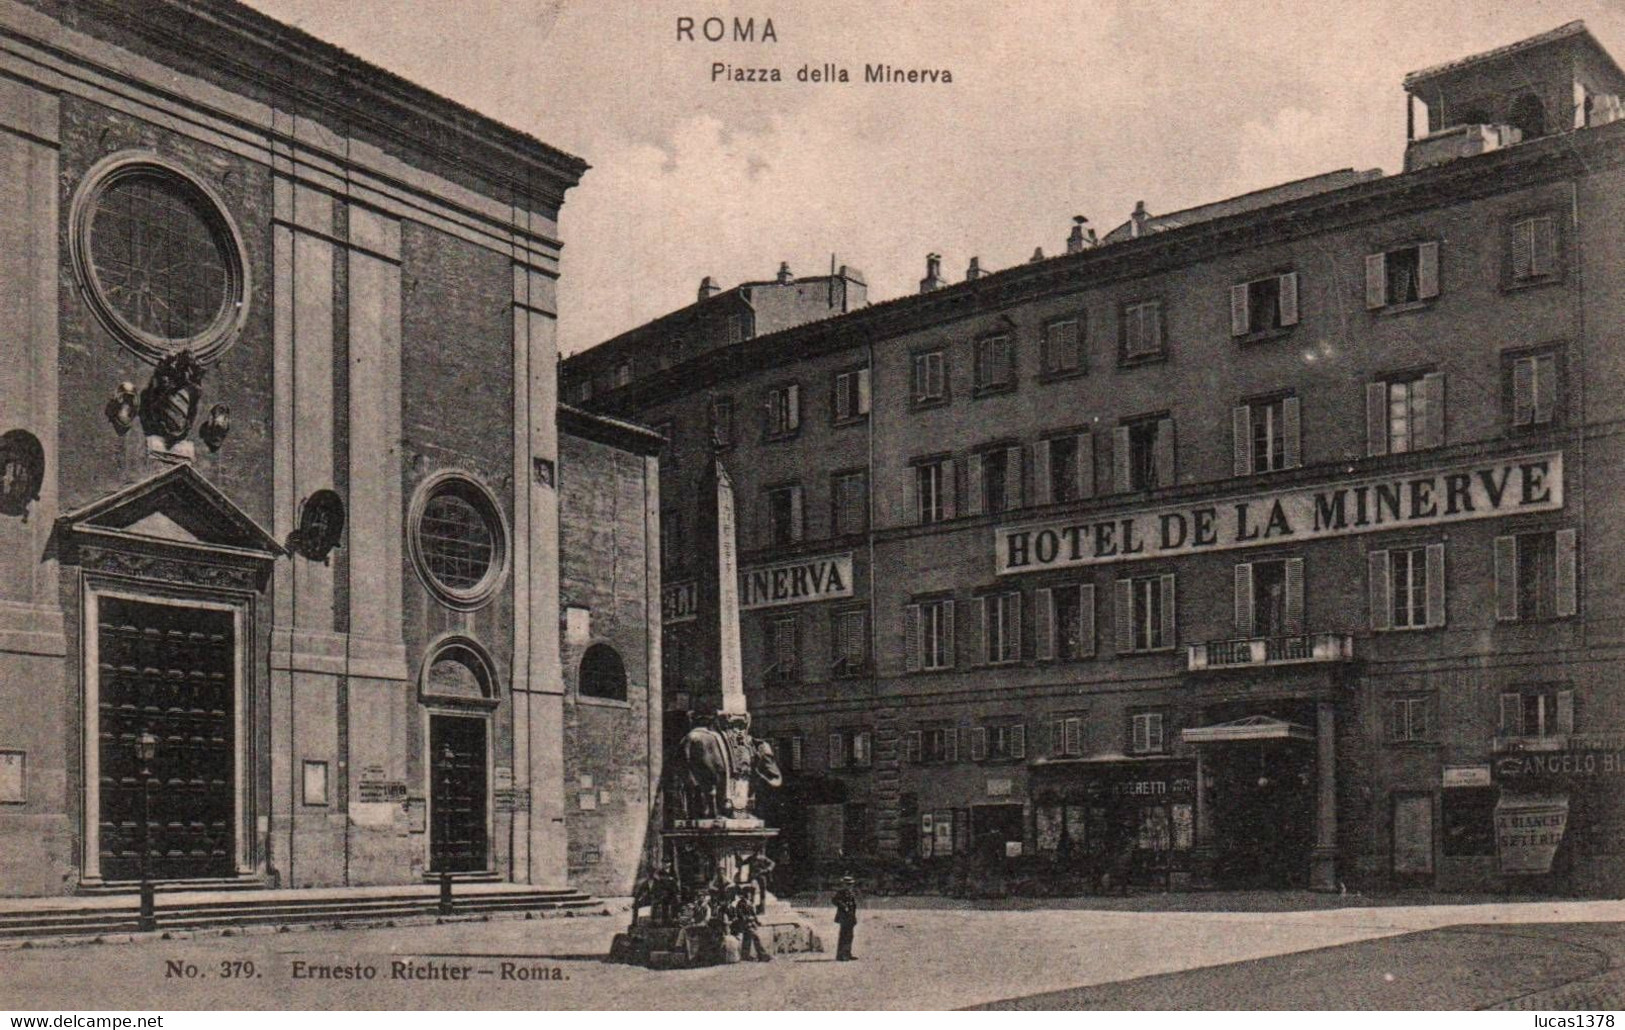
{"x":1477,"y":491}
{"x":796,"y":582}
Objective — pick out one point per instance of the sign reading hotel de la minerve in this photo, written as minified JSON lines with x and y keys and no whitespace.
{"x":1482,"y":490}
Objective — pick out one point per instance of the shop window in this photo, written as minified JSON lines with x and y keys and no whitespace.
{"x":929,"y":380}
{"x":1267,"y":436}
{"x":850,"y":637}
{"x":603,"y":674}
{"x":1407,"y":588}
{"x":1536,"y":576}
{"x":1531,"y":390}
{"x":1402,"y":276}
{"x":929,"y":635}
{"x":995,"y":364}
{"x":1062,"y":350}
{"x":1468,"y":818}
{"x":1264,"y":305}
{"x":1064,"y":468}
{"x":1145,"y":614}
{"x":849,"y":502}
{"x":1143,"y":454}
{"x":1409,"y":720}
{"x":851,"y":395}
{"x":995,"y":480}
{"x":1537,"y":712}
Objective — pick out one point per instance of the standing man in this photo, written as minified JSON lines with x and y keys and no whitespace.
{"x":846,"y":917}
{"x":744,"y":924}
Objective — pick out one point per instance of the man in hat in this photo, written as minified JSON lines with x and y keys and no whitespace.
{"x":846,"y":917}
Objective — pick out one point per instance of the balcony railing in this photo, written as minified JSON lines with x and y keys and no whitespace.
{"x":1256,"y":651}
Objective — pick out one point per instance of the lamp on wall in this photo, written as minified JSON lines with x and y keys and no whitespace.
{"x":120,"y":410}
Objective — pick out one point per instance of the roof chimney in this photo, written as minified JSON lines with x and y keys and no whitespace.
{"x":1079,"y":240}
{"x":784,"y":272}
{"x":1138,"y":219}
{"x":933,"y":274}
{"x":1038,"y":254}
{"x":975,"y":269}
{"x":708,"y":288}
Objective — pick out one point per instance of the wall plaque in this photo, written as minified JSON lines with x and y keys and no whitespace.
{"x":13,"y":777}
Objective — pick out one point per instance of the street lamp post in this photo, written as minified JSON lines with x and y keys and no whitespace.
{"x":146,"y":747}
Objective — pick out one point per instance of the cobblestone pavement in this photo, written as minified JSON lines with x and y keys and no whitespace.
{"x":912,"y":954}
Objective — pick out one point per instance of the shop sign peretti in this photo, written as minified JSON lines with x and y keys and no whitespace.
{"x":1477,"y":491}
{"x":796,"y":582}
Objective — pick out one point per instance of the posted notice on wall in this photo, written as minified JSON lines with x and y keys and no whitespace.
{"x":1528,"y":831}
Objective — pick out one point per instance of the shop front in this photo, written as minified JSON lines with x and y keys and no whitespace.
{"x":1117,"y":821}
{"x":1559,"y":814}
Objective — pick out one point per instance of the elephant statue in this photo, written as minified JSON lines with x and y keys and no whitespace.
{"x":716,"y":765}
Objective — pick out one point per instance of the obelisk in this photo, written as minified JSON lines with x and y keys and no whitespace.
{"x":718,"y":588}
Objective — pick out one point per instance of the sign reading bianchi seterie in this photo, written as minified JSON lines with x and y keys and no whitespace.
{"x":1478,"y":491}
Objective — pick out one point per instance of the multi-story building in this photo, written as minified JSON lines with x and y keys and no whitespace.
{"x":281,"y":522}
{"x":1267,"y":542}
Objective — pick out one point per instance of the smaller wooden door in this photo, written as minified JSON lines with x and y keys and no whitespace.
{"x":457,"y":832}
{"x":1413,"y":835}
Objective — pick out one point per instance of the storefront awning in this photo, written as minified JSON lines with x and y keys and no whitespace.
{"x":1252,"y":727}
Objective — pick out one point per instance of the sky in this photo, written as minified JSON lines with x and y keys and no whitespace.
{"x":1057,"y":108}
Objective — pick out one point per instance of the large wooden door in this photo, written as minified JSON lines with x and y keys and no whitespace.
{"x":167,"y":670}
{"x":457,"y":832}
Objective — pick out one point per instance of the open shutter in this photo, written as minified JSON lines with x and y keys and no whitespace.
{"x":1241,"y":432}
{"x":792,"y":401}
{"x":1244,"y":599}
{"x":1123,"y":614}
{"x":1041,"y":473}
{"x":1568,"y":561}
{"x":1044,"y":623}
{"x":1378,"y":571}
{"x":1084,"y":477}
{"x":1511,"y":715}
{"x":863,"y":749}
{"x":980,"y":650}
{"x":1018,"y":740}
{"x":1294,"y":596}
{"x":950,"y":744}
{"x":974,"y":490}
{"x":1165,"y":452}
{"x":1565,"y":711}
{"x":863,"y":391}
{"x":913,"y":642}
{"x":1433,"y":414}
{"x":1139,"y":734}
{"x":1506,"y":578}
{"x":1523,"y":248}
{"x":950,"y":490}
{"x":1012,"y":629}
{"x":1376,"y":280}
{"x":1012,"y":477}
{"x":1074,"y":736}
{"x":910,"y":515}
{"x":1523,"y":391}
{"x":1086,"y":621}
{"x":1543,"y":260}
{"x":978,"y":744}
{"x":1427,"y":271}
{"x":948,"y":633}
{"x":1057,"y":739}
{"x":1170,"y":625}
{"x":915,"y":745}
{"x":1120,"y":460}
{"x":1376,"y":419}
{"x":1238,"y":310}
{"x":837,"y":754}
{"x":1289,"y":299}
{"x":798,"y":517}
{"x":1545,"y":388}
{"x":1435,"y":598}
{"x":1291,"y":433}
{"x":795,"y":753}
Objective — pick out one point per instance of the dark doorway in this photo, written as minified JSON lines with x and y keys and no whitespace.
{"x":457,"y":833}
{"x":1263,"y":812}
{"x":170,"y":671}
{"x":995,"y":826}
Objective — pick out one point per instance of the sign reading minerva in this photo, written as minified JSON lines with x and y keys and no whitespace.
{"x":1477,"y":491}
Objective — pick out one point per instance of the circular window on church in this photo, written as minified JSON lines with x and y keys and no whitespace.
{"x":458,"y":541}
{"x":162,"y":266}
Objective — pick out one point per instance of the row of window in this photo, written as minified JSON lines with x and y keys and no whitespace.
{"x":1542,"y":710}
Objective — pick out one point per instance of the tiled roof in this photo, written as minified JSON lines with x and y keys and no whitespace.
{"x":1248,"y":202}
{"x":1570,"y":30}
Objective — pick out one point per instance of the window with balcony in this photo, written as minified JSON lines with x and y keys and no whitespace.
{"x":851,"y":395}
{"x":999,"y":742}
{"x":1001,"y":628}
{"x":1531,"y":392}
{"x":1143,"y":453}
{"x":929,"y":378}
{"x":1407,"y":588}
{"x":1539,"y":711}
{"x":782,"y":663}
{"x":1146,"y":733}
{"x":783,"y":411}
{"x":1064,"y":623}
{"x":1402,"y":276}
{"x":995,"y":480}
{"x":849,"y":638}
{"x":1263,"y":306}
{"x":995,"y":363}
{"x":1062,"y":349}
{"x":1537,"y":576}
{"x":1141,"y":333}
{"x":929,"y":635}
{"x":1063,"y":468}
{"x":1409,"y":720}
{"x":1266,"y":435}
{"x":1269,"y":598}
{"x":849,"y":502}
{"x":1405,"y":413}
{"x":1145,"y":614}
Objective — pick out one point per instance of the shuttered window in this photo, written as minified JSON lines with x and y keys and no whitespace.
{"x":1264,"y":305}
{"x":1145,"y":614}
{"x":1533,"y":390}
{"x":1537,"y":576}
{"x":851,"y":395}
{"x":1143,"y":454}
{"x":849,"y":640}
{"x":1537,"y":712}
{"x":1405,"y":414}
{"x":1066,"y":737}
{"x":1404,"y":275}
{"x":1001,"y":628}
{"x":994,"y":481}
{"x":929,"y":381}
{"x":995,"y":363}
{"x":1409,"y":720}
{"x":1146,"y":733}
{"x":781,"y":662}
{"x":785,"y":516}
{"x":783,"y":411}
{"x":1534,"y":249}
{"x":1266,"y":436}
{"x":1407,"y":588}
{"x":1064,"y":622}
{"x":928,"y":630}
{"x":1269,"y":598}
{"x":1063,"y":347}
{"x":1141,"y":331}
{"x":849,"y":502}
{"x":929,"y":492}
